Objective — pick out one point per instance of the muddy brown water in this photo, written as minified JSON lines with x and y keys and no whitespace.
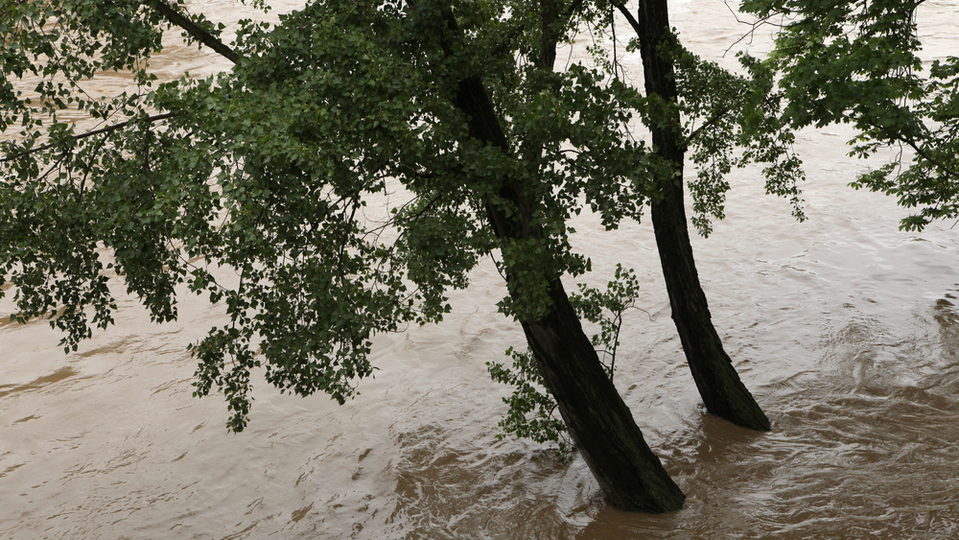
{"x":845,"y":328}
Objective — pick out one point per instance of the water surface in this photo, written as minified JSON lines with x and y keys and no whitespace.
{"x":845,"y":329}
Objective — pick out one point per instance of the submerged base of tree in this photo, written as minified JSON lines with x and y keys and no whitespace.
{"x":719,"y":385}
{"x":600,"y":423}
{"x":723,"y":393}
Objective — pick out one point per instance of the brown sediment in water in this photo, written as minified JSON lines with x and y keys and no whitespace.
{"x":845,"y":328}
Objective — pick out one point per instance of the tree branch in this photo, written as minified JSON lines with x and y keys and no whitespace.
{"x":925,"y":155}
{"x":719,"y":114}
{"x":629,"y":18}
{"x":108,"y":129}
{"x":176,"y":18}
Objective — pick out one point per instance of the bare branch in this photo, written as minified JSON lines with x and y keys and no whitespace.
{"x":629,"y":18}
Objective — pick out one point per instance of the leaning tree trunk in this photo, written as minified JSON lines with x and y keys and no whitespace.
{"x":602,"y":426}
{"x":719,"y":385}
{"x":600,"y":423}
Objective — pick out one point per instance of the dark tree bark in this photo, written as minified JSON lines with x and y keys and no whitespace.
{"x":719,"y":385}
{"x":601,"y":425}
{"x":599,"y":421}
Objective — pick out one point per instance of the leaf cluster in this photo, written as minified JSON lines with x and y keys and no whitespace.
{"x":857,"y":62}
{"x":259,"y":188}
{"x":731,"y":121}
{"x":252,"y":187}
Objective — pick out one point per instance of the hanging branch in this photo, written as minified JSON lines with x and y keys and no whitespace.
{"x":108,"y":129}
{"x":175,"y":18}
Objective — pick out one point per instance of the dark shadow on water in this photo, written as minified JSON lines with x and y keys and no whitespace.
{"x":40,"y":382}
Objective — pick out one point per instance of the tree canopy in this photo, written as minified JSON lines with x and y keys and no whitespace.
{"x":360,"y":158}
{"x":267,"y":169}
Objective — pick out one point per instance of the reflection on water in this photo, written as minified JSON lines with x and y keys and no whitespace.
{"x":846,"y":329}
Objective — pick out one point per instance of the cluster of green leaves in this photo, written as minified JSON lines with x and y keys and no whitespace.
{"x":251,"y":187}
{"x":321,"y":113}
{"x":532,"y":411}
{"x":733,"y":120}
{"x":606,"y":308}
{"x":858,"y":62}
{"x":51,"y":224}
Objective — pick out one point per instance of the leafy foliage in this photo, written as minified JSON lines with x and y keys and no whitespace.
{"x":858,"y":62}
{"x":606,"y":308}
{"x":733,"y":121}
{"x":532,"y":410}
{"x":252,"y":187}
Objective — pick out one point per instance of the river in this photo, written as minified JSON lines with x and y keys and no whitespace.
{"x":845,"y":328}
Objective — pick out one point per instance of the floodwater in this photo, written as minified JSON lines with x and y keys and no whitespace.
{"x":845,"y":328}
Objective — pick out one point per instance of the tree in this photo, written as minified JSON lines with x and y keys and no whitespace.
{"x":722,"y":391}
{"x":266,"y":171}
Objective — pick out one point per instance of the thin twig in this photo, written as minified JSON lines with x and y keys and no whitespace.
{"x":108,"y":129}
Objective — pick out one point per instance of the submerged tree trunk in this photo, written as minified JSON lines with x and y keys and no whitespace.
{"x":723,"y":393}
{"x":719,"y":385}
{"x":600,"y":423}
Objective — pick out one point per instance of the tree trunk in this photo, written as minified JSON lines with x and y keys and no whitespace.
{"x":719,"y":385}
{"x":600,"y":423}
{"x":722,"y":391}
{"x":602,"y":426}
